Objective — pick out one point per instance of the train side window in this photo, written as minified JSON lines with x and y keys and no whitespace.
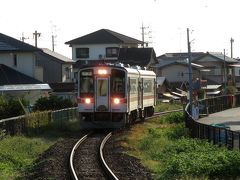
{"x":133,"y":86}
{"x":148,"y":86}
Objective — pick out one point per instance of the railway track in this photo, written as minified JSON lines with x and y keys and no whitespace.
{"x":87,"y":160}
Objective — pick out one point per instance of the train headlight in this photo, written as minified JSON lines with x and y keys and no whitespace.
{"x":87,"y":100}
{"x":102,"y":71}
{"x":116,"y":100}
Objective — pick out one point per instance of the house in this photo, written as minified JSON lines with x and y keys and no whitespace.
{"x":106,"y":46}
{"x":213,"y":67}
{"x":19,"y":56}
{"x":56,"y":67}
{"x":177,"y":72}
{"x":99,"y":45}
{"x":16,"y":84}
{"x":219,"y":67}
{"x":143,"y":57}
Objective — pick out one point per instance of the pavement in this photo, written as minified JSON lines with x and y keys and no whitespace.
{"x":228,"y":118}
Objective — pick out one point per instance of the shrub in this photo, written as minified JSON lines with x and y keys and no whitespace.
{"x":52,"y":103}
{"x":175,"y":117}
{"x":11,"y":107}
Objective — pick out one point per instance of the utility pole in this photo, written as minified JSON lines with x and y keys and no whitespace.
{"x":143,"y":35}
{"x":225,"y":73}
{"x":143,"y":28}
{"x":53,"y":44}
{"x":23,"y":38}
{"x":231,"y":42}
{"x":53,"y":27}
{"x":36,"y":35}
{"x":190,"y":71}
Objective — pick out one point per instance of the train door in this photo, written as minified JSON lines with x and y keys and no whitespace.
{"x":102,"y":94}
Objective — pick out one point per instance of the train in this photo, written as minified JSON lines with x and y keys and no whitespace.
{"x":114,"y":95}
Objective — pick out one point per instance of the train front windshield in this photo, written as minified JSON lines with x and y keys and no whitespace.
{"x":86,"y":83}
{"x":118,"y":83}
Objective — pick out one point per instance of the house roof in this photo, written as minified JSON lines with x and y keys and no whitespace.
{"x":9,"y":76}
{"x":212,"y":87}
{"x":179,"y":56}
{"x":8,"y":43}
{"x":104,"y":36}
{"x":57,"y":56}
{"x":136,"y":56}
{"x":62,"y":87}
{"x":218,"y":55}
{"x":183,"y":63}
{"x":24,"y":87}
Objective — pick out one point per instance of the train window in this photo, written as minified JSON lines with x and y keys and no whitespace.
{"x":102,"y":87}
{"x":133,"y":86}
{"x":86,"y":82}
{"x":148,"y":86}
{"x":118,"y":83}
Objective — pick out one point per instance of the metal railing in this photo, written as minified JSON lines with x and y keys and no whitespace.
{"x":37,"y":121}
{"x":217,"y":135}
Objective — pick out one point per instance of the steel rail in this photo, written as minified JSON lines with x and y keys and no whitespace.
{"x":72,"y":170}
{"x":109,"y":172}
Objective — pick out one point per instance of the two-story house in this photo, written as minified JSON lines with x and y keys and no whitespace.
{"x":19,"y":56}
{"x":108,"y":46}
{"x":99,"y":45}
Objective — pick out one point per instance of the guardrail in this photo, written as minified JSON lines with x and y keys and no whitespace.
{"x":36,"y":122}
{"x":216,"y":135}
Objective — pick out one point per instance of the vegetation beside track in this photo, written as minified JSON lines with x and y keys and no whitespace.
{"x":164,"y":146}
{"x":18,"y":153}
{"x":161,"y":107}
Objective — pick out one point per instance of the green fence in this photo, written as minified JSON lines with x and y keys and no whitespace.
{"x":38,"y":121}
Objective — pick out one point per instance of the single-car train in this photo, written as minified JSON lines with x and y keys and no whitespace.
{"x":112,"y":96}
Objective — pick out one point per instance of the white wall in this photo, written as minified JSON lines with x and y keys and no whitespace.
{"x":94,"y":50}
{"x":25,"y":62}
{"x":178,"y":73}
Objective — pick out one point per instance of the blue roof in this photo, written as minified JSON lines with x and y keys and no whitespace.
{"x":8,"y":43}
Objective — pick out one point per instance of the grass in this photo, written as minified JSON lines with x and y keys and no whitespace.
{"x":18,"y":153}
{"x":161,"y":107}
{"x":163,"y":146}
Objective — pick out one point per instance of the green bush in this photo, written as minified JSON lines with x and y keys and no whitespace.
{"x":175,"y":117}
{"x":11,"y":107}
{"x":52,"y":103}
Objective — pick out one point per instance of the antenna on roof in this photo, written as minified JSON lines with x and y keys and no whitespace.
{"x":23,"y":38}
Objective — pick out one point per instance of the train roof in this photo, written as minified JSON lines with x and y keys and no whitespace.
{"x":132,"y":70}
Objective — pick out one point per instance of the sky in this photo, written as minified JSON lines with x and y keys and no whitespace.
{"x":212,"y":23}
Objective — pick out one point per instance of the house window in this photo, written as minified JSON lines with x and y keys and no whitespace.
{"x":82,"y":52}
{"x":68,"y":73}
{"x":112,"y":52}
{"x":14,"y":60}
